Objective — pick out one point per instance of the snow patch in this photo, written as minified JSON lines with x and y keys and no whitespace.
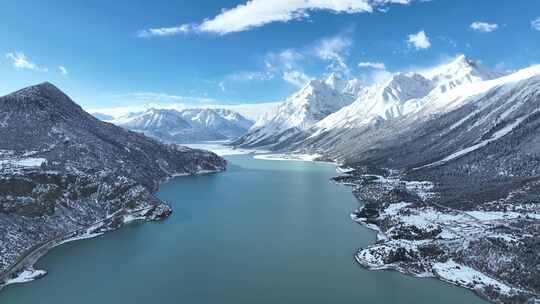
{"x":26,"y":275}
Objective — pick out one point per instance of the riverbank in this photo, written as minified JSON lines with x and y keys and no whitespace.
{"x":419,"y":237}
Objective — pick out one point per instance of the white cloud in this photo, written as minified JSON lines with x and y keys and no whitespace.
{"x":334,"y":49}
{"x":484,"y":27}
{"x":419,"y":41}
{"x":256,"y":13}
{"x":296,"y":78}
{"x":20,"y":62}
{"x":249,"y":76}
{"x":222,"y":86}
{"x":535,"y":24}
{"x":63,"y":70}
{"x":287,"y":65}
{"x":373,"y":65}
{"x":166,"y":31}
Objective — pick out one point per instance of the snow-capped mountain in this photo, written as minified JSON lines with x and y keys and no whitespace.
{"x":386,"y":100}
{"x":400,"y":95}
{"x":309,"y":114}
{"x":302,"y":110}
{"x":226,"y":122}
{"x":186,"y":126}
{"x":460,"y":71}
{"x":405,"y":93}
{"x":348,"y":140}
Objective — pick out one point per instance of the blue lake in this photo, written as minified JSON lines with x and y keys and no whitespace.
{"x":262,"y":232}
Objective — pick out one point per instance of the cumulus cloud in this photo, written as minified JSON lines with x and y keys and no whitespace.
{"x":63,"y":70}
{"x":20,"y":62}
{"x":419,"y":41}
{"x":535,"y":24}
{"x":373,"y":65}
{"x":484,"y":27}
{"x":256,"y":13}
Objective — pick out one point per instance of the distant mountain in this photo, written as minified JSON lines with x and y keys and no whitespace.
{"x":186,"y":126}
{"x":65,"y":174}
{"x":102,"y":116}
{"x":300,"y":111}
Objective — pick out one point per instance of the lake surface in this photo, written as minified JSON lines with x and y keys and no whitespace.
{"x":262,"y":232}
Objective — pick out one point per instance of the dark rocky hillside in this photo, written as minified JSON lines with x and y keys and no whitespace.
{"x":64,"y":174}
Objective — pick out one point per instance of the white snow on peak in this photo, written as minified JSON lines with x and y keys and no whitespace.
{"x":460,"y":71}
{"x":407,"y":93}
{"x":306,"y":107}
{"x":384,"y":100}
{"x":436,"y":102}
{"x":340,"y":84}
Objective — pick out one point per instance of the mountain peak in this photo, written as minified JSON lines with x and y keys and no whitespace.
{"x":42,"y":89}
{"x":44,"y":97}
{"x":461,"y":70}
{"x":336,"y":81}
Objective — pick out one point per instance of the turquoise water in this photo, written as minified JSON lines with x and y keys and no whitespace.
{"x":262,"y":232}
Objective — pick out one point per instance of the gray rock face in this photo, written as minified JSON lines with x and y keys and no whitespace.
{"x":64,"y":174}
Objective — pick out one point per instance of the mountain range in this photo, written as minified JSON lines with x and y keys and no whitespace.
{"x":401,"y":94}
{"x":186,"y":126}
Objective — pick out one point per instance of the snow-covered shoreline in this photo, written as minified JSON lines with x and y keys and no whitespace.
{"x":417,"y":237}
{"x":23,"y":271}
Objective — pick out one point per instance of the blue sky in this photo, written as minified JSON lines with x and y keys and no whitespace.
{"x":122,"y":53}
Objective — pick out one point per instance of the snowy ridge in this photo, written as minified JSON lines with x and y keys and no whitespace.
{"x":190,"y":125}
{"x":299,"y":112}
{"x":403,"y":94}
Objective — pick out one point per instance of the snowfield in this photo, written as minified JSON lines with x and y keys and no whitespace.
{"x":23,"y":162}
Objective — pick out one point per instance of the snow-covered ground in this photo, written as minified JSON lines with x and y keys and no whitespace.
{"x":424,"y":239}
{"x":27,"y":275}
{"x":462,"y":275}
{"x":23,"y":162}
{"x":220,"y":149}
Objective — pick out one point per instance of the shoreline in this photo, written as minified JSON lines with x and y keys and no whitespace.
{"x":23,"y":270}
{"x":18,"y":272}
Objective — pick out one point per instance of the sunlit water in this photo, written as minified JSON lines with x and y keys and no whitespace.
{"x":262,"y":232}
